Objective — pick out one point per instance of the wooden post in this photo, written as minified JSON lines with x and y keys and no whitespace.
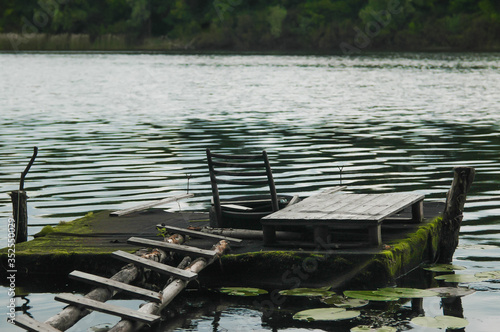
{"x":20,"y":213}
{"x":453,"y":213}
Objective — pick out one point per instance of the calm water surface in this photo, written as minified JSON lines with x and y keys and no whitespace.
{"x":115,"y":130}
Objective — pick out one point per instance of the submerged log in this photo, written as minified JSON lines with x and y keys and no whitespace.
{"x":453,"y":213}
{"x":72,"y":314}
{"x":170,"y":291}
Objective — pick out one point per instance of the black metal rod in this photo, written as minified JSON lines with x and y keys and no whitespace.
{"x":26,"y":170}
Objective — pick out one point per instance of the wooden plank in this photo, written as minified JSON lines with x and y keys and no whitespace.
{"x":29,"y":324}
{"x":187,"y":250}
{"x":155,"y":266}
{"x":149,"y":205}
{"x":236,"y":207}
{"x":108,"y":308}
{"x":141,"y":293}
{"x":192,"y":233}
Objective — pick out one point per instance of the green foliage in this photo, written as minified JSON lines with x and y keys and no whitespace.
{"x":269,"y":25}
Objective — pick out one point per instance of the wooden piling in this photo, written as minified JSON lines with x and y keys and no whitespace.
{"x":453,"y":213}
{"x":20,"y":212}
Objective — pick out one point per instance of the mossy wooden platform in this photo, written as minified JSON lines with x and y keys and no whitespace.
{"x":87,"y":244}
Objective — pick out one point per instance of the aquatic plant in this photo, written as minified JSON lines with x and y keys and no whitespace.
{"x":441,"y":322}
{"x":325,"y":314}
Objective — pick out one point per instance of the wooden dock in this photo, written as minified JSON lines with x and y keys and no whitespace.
{"x":348,"y":261}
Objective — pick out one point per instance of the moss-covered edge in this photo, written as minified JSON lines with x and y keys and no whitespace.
{"x":404,"y":255}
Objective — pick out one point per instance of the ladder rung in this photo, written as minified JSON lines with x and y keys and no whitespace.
{"x":28,"y":323}
{"x":155,"y":266}
{"x":142,"y":293}
{"x":108,"y":308}
{"x":187,"y":250}
{"x":198,"y":234}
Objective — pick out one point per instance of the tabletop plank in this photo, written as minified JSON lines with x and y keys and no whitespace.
{"x":346,"y":207}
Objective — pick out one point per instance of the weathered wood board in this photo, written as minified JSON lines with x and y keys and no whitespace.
{"x":92,"y":279}
{"x":108,"y":308}
{"x":172,"y":247}
{"x":155,"y":266}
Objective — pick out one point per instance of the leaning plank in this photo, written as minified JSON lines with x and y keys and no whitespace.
{"x":155,"y":266}
{"x":142,"y":293}
{"x":108,"y":308}
{"x":29,"y":324}
{"x":149,"y":205}
{"x":198,"y":234}
{"x":172,"y":247}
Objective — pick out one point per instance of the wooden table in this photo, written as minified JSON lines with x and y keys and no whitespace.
{"x":327,"y":210}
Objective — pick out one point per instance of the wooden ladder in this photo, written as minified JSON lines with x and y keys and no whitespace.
{"x":30,"y":324}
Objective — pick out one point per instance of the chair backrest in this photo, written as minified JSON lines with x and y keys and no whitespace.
{"x":248,"y":170}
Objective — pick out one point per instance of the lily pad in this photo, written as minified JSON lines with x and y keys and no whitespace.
{"x":444,"y":268}
{"x":407,"y":293}
{"x":370,"y":296}
{"x":342,"y":302}
{"x":459,"y":278}
{"x":489,"y":275}
{"x":366,"y":328}
{"x":310,"y":292}
{"x":242,"y":291}
{"x":326,"y":314}
{"x":441,"y":322}
{"x":452,"y":291}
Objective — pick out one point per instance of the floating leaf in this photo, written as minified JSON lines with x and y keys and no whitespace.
{"x":489,"y":275}
{"x":342,"y":302}
{"x":441,"y":322}
{"x":459,"y":278}
{"x":452,"y":291}
{"x":310,"y":292}
{"x":326,"y":314}
{"x":444,"y":268}
{"x":407,"y":293}
{"x":370,"y":296}
{"x":363,"y":328}
{"x":242,"y":291}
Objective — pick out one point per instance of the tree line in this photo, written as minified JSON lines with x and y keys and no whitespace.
{"x":272,"y":25}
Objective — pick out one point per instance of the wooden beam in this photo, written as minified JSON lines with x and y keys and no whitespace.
{"x":149,"y":205}
{"x":29,"y":324}
{"x":142,"y":293}
{"x":186,"y":250}
{"x":155,"y":266}
{"x":203,"y":235}
{"x":108,"y":308}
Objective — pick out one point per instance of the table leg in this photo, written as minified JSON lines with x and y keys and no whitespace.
{"x":269,"y":233}
{"x":417,"y":211}
{"x":321,"y":234}
{"x":375,"y":234}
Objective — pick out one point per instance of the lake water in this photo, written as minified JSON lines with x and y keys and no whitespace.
{"x":115,"y":130}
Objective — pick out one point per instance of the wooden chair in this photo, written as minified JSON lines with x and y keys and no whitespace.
{"x":252,"y":171}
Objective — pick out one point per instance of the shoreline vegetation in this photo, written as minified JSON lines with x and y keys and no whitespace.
{"x":324,"y":26}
